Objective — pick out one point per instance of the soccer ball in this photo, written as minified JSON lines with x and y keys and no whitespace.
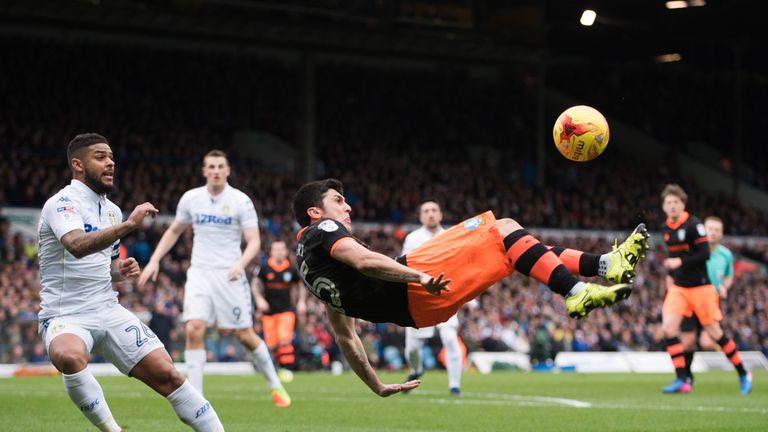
{"x":581,"y":133}
{"x":285,"y":375}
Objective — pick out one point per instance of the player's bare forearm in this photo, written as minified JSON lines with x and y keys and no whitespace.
{"x":252,"y":247}
{"x":350,"y":344}
{"x":250,"y":252}
{"x":80,"y":244}
{"x":358,"y":360}
{"x":385,"y":268}
{"x":727,"y":282}
{"x":373,"y":264}
{"x":169,"y":238}
{"x":302,"y":293}
{"x":256,"y":289}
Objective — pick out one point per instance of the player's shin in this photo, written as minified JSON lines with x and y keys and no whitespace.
{"x":531,"y":258}
{"x":730,"y":351}
{"x":195,"y":360}
{"x":194,"y":410}
{"x":262,"y":361}
{"x":450,"y":340}
{"x":688,"y":356}
{"x":413,"y":348}
{"x":675,"y":350}
{"x":581,"y":263}
{"x":86,"y":393}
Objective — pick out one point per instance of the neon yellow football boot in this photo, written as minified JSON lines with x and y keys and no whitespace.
{"x":593,"y":296}
{"x":280,"y":397}
{"x":624,"y":257}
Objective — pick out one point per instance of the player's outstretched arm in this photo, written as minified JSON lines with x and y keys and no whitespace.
{"x":354,"y":352}
{"x":382,"y":267}
{"x":80,"y":244}
{"x":169,"y":238}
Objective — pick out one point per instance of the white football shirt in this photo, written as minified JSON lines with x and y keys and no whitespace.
{"x":418,"y":237}
{"x":71,"y":285}
{"x":218,"y":223}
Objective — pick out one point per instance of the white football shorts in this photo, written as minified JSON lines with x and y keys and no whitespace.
{"x":211,"y":297}
{"x":112,"y":332}
{"x":428,"y":332}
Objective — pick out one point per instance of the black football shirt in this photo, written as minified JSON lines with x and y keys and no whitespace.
{"x":686,"y":239}
{"x":278,"y":280}
{"x":340,"y":286}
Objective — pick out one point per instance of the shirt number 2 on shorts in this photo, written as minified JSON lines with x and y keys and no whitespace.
{"x":138,"y":332}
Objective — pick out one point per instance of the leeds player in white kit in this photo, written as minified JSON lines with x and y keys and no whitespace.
{"x":79,"y":236}
{"x":430,"y":217}
{"x":217,"y":290}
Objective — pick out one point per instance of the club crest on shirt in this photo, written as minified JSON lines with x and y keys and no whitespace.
{"x":111,"y":217}
{"x":225,"y":209}
{"x":472,"y":224}
{"x":681,"y":234}
{"x":701,"y":230}
{"x":286,"y":277}
{"x":328,"y":226}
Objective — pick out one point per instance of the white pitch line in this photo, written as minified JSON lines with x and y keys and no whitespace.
{"x":521,"y":398}
{"x":504,"y":399}
{"x":696,"y":408}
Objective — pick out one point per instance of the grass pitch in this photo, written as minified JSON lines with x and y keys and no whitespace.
{"x":501,"y":401}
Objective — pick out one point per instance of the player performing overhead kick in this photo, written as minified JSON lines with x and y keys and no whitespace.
{"x":415,"y":290}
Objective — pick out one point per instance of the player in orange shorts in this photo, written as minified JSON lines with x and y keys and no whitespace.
{"x":355,"y":282}
{"x":280,"y":280}
{"x":690,"y":291}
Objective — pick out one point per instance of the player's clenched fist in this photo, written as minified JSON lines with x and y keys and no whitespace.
{"x":129,"y":268}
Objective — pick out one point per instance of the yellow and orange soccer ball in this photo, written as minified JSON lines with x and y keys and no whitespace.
{"x":581,"y":133}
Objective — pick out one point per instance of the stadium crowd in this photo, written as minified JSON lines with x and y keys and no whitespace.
{"x":517,"y":314}
{"x":414,"y":134}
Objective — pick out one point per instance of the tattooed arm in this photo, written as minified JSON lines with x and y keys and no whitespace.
{"x":382,"y":267}
{"x":350,"y":344}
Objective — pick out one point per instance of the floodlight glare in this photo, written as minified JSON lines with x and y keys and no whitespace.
{"x":588,"y":17}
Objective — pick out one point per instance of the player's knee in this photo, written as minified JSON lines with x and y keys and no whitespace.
{"x":195,"y":331}
{"x":689,"y":344}
{"x":174,"y":378}
{"x":706,"y":344}
{"x":70,"y":361}
{"x":247,"y":336}
{"x":670,"y":329}
{"x":167,"y":376}
{"x":507,"y":226}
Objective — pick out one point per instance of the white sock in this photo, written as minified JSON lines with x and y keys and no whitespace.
{"x":576,"y":288}
{"x":194,"y":410}
{"x":262,"y":362}
{"x":195,"y":360}
{"x":87,"y":395}
{"x":413,"y":347}
{"x":450,"y":339}
{"x":604,"y":263}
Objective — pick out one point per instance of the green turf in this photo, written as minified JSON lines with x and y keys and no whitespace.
{"x":498,"y":402}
